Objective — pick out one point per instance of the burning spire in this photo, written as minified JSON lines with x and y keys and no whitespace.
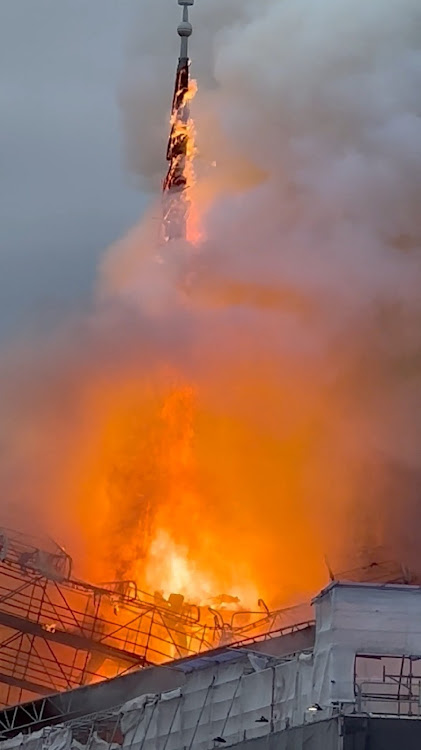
{"x":180,"y":145}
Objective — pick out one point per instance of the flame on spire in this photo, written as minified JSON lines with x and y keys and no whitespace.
{"x":179,"y":220}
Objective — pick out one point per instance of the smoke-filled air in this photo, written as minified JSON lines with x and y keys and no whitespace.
{"x":241,"y":412}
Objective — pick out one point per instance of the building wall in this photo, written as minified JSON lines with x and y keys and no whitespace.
{"x":361,"y":619}
{"x":380,"y":734}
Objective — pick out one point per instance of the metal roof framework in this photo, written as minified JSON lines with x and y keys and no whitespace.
{"x":66,"y":707}
{"x":57,"y":633}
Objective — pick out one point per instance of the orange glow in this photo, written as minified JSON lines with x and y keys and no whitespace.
{"x":206,"y":480}
{"x":186,"y":132}
{"x":194,"y":234}
{"x":184,"y":498}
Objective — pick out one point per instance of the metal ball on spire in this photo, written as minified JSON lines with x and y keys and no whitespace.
{"x":185,"y":29}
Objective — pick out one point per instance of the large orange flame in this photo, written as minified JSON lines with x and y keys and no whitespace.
{"x":187,"y":468}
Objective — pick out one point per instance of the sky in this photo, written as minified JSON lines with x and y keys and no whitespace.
{"x":65,"y":193}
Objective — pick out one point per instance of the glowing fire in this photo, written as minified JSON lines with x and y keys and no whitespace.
{"x":168,"y":567}
{"x":194,"y":233}
{"x":173,"y":563}
{"x":155,"y":527}
{"x":179,"y":515}
{"x":169,"y":570}
{"x":187,"y":484}
{"x":183,"y":151}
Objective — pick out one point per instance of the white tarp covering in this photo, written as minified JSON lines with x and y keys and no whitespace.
{"x":55,"y":738}
{"x":49,"y":738}
{"x":293,"y":692}
{"x":33,"y":741}
{"x":134,"y":711}
{"x":220,"y":699}
{"x":356,"y":619}
{"x":233,"y":702}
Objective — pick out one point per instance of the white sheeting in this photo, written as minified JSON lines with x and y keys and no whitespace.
{"x":55,"y":738}
{"x":33,"y":741}
{"x":134,"y":712}
{"x":228,"y":701}
{"x":361,"y":619}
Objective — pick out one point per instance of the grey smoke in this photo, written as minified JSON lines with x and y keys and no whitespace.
{"x":319,"y":102}
{"x":323,"y":99}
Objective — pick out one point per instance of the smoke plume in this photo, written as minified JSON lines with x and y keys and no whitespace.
{"x":294,"y":326}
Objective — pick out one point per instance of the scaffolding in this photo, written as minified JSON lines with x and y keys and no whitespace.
{"x":388,"y":685}
{"x":58,"y":633}
{"x":90,"y":708}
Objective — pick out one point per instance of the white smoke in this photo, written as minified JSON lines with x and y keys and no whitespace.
{"x":147,"y":85}
{"x":320,"y":101}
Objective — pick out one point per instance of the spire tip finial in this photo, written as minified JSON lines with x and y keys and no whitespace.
{"x":185,"y":29}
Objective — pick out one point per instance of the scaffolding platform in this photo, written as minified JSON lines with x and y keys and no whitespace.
{"x":58,"y":633}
